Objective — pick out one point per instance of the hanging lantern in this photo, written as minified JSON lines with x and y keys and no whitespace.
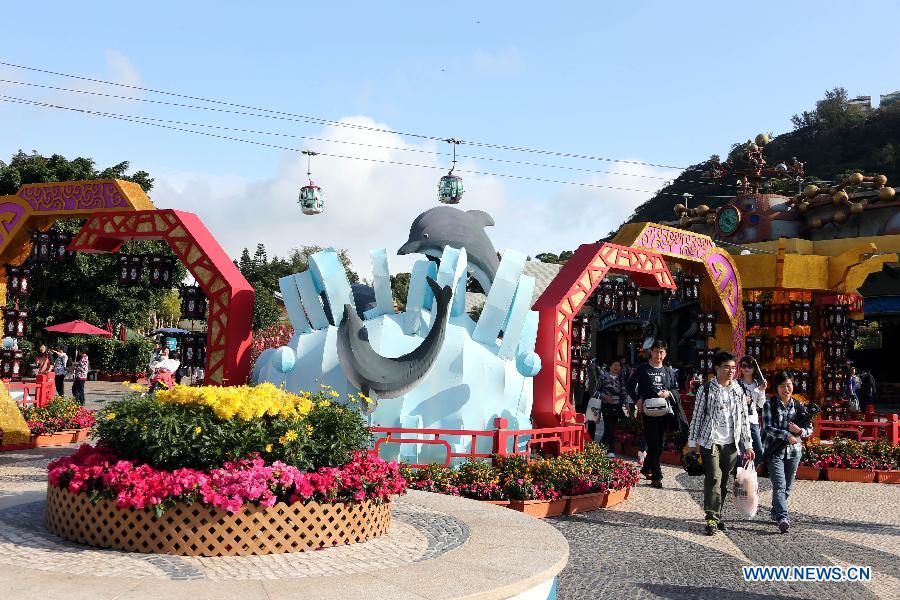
{"x":10,"y":317}
{"x":135,"y":269}
{"x":60,"y":245}
{"x":12,"y":280}
{"x":21,"y":322}
{"x":450,"y":187}
{"x":193,"y":302}
{"x":44,"y":247}
{"x":168,"y":270}
{"x":312,"y":198}
{"x":6,"y":363}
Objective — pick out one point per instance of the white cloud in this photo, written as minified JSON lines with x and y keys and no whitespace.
{"x":371,"y":205}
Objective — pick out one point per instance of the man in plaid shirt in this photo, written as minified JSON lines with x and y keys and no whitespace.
{"x":778,"y":415}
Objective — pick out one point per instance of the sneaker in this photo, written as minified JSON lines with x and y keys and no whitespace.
{"x":722,"y":526}
{"x":656,"y":483}
{"x":641,"y":456}
{"x":783,"y":526}
{"x":711,"y":526}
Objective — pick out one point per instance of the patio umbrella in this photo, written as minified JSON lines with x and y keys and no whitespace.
{"x":170,"y":331}
{"x":109,"y":325}
{"x":78,"y":326}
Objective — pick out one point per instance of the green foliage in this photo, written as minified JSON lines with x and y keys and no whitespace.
{"x":265,"y":310}
{"x":133,"y":355}
{"x":33,"y":168}
{"x":400,"y":289}
{"x":170,"y":436}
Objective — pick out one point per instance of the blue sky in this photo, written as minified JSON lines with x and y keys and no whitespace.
{"x":660,"y":82}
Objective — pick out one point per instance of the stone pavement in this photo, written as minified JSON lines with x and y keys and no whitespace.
{"x":653,"y":546}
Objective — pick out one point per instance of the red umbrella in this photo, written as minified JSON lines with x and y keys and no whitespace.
{"x":123,"y":335}
{"x":78,"y":326}
{"x":109,"y":325}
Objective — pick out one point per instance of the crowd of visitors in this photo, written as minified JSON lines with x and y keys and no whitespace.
{"x":733,"y":422}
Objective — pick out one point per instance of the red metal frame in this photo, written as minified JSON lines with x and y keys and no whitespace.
{"x":560,"y":303}
{"x":230,"y":295}
{"x":505,"y":442}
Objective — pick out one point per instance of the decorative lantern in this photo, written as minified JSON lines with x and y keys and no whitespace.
{"x":61,"y":253}
{"x":193,"y":302}
{"x":16,"y":370}
{"x":618,"y":296}
{"x":43,"y":248}
{"x":21,"y":322}
{"x":6,"y":363}
{"x":10,"y":318}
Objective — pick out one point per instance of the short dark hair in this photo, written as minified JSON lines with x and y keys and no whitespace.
{"x":661,"y":344}
{"x":722,"y":357}
{"x":781,"y":377}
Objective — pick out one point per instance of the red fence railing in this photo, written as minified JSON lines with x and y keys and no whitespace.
{"x":503,"y":441}
{"x":39,"y":392}
{"x":870,"y":428}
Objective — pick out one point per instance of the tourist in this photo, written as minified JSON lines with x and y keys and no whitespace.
{"x":853,"y":385}
{"x":82,"y":366}
{"x":155,"y":356}
{"x":612,"y":392}
{"x":650,"y":383}
{"x":719,"y":426}
{"x":44,"y":361}
{"x":179,"y":371}
{"x":593,"y":382}
{"x":60,"y":367}
{"x":866,"y":391}
{"x":779,"y":415}
{"x":755,"y":397}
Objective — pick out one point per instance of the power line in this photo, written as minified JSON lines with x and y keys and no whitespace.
{"x":321,"y":120}
{"x":366,"y":159}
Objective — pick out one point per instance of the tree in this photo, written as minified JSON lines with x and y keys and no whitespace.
{"x":265,"y":310}
{"x":87,"y":288}
{"x":400,"y":289}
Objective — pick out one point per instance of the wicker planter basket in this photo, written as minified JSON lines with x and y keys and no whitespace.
{"x":197,"y":530}
{"x":887,"y":476}
{"x":809,"y":473}
{"x":855,"y":475}
{"x":540,"y":508}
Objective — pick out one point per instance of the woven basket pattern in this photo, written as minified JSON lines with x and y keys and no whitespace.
{"x":196,"y":530}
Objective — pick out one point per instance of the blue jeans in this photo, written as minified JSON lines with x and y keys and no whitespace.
{"x":756,"y":440}
{"x":781,"y":473}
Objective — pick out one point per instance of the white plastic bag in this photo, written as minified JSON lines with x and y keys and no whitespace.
{"x":746,"y":490}
{"x":592,"y":412}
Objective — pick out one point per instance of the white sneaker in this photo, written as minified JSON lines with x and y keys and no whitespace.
{"x":641,"y":457}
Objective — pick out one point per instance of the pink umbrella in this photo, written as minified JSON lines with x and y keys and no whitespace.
{"x":78,"y":326}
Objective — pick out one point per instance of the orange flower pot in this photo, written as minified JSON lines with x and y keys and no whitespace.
{"x":809,"y":473}
{"x":60,"y":438}
{"x":585,"y":503}
{"x":496,"y":502}
{"x":614,"y":497}
{"x":887,"y":476}
{"x":540,"y":508}
{"x":854,"y":475}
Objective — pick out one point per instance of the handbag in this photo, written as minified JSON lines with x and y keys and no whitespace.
{"x":594,"y":407}
{"x":657,"y":407}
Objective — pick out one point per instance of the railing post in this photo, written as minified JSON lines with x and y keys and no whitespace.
{"x":500,"y":436}
{"x":893,"y":429}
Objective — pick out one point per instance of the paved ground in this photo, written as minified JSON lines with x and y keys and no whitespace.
{"x":652,"y":546}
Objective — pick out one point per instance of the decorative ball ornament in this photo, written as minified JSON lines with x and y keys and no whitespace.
{"x":886,"y":193}
{"x":856,"y":179}
{"x":856,"y":207}
{"x":880,"y":179}
{"x":702,"y":209}
{"x":8,"y":343}
{"x":762,"y":139}
{"x":710,"y":219}
{"x":685,"y":220}
{"x":810,"y":190}
{"x":528,"y":364}
{"x":841,"y":216}
{"x":840,"y":197}
{"x":754,"y":148}
{"x":803,"y":206}
{"x":283,"y":359}
{"x":679,"y":208}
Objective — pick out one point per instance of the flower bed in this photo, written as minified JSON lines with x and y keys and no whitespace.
{"x":62,"y":421}
{"x":204,"y":457}
{"x":542,"y":487}
{"x":848,"y":460}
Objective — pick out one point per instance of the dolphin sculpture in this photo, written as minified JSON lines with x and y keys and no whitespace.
{"x":448,"y":226}
{"x":390,"y":377}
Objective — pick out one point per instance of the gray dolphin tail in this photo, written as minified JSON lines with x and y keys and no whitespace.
{"x":390,"y":377}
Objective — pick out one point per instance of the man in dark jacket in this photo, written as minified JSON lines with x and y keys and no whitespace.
{"x":866,"y":390}
{"x":654,"y":380}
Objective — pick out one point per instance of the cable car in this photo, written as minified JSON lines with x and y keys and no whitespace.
{"x":450,"y":187}
{"x":312,"y":197}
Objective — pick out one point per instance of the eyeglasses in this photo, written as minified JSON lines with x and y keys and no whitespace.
{"x":746,"y":366}
{"x":729,"y":367}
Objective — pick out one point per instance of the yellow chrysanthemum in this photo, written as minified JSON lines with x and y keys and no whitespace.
{"x":135,"y":420}
{"x":281,"y":440}
{"x":198,"y":430}
{"x":290,"y":435}
{"x":324,"y":403}
{"x":309,"y":429}
{"x":334,"y":394}
{"x":110,"y":416}
{"x":268,"y":447}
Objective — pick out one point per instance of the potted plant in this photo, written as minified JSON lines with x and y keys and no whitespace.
{"x":535,"y":499}
{"x":887,"y":461}
{"x":847,"y":462}
{"x":808,"y":469}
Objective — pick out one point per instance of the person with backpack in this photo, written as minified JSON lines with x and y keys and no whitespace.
{"x":866,"y":390}
{"x":719,"y":426}
{"x":656,"y":389}
{"x":779,"y":415}
{"x":612,"y":393}
{"x":754,"y":387}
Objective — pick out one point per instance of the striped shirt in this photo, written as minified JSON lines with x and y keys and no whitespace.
{"x":725,"y":405}
{"x":776,"y":427}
